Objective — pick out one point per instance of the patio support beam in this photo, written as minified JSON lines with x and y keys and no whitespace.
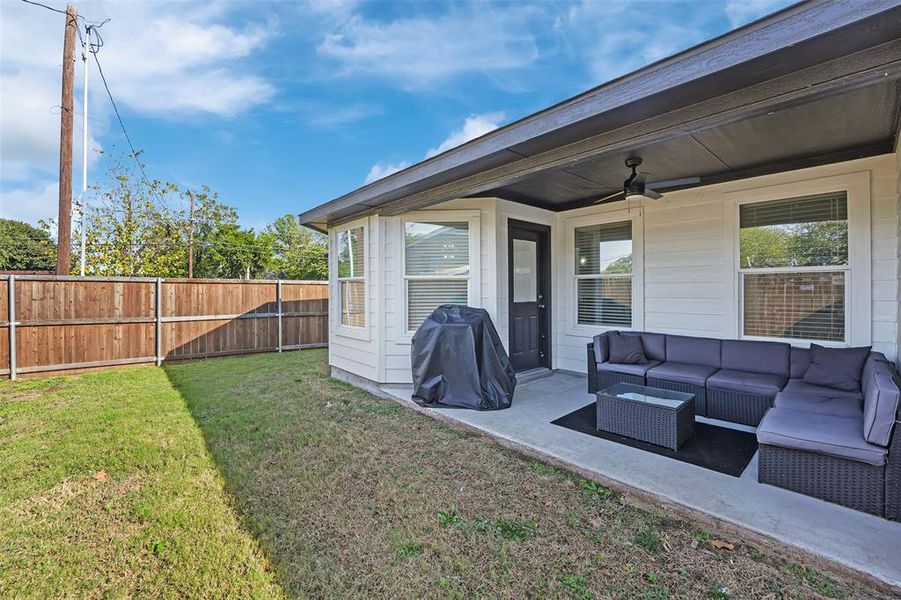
{"x":840,"y":75}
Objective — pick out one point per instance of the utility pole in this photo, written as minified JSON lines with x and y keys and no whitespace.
{"x":191,"y":239}
{"x":64,"y":224}
{"x":86,"y":46}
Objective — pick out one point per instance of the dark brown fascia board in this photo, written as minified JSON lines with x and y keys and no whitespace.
{"x":788,"y":27}
{"x":850,"y":72}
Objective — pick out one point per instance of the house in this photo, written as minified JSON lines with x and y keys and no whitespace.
{"x":775,"y":148}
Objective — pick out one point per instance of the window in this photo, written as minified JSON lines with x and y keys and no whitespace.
{"x":794,"y":266}
{"x":436,"y":267}
{"x":603,"y":270}
{"x":351,"y":276}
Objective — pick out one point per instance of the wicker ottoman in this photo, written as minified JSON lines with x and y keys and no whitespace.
{"x":662,"y":417}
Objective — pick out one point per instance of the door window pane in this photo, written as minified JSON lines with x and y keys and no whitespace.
{"x":802,"y":305}
{"x":525,"y":271}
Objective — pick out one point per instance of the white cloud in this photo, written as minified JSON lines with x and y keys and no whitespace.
{"x":172,"y":60}
{"x":419,"y":51}
{"x":164,"y":59}
{"x":474,"y":126}
{"x":331,"y":117}
{"x":381,"y":170}
{"x":32,"y":203}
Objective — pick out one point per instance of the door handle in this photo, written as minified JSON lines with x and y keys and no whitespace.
{"x":540,"y":306}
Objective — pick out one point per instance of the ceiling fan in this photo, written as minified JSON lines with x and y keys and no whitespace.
{"x":635,"y":186}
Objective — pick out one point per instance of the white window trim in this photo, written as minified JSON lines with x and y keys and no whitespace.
{"x":858,"y":277}
{"x":636,"y":217}
{"x":473,"y":289}
{"x":342,"y":329}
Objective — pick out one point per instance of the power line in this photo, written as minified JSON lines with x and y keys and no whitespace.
{"x":56,"y":10}
{"x":134,"y":153}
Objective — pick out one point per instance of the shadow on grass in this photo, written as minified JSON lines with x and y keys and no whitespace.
{"x":287,"y":440}
{"x":350,"y":495}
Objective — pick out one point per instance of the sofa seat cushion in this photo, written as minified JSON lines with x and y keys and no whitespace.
{"x":682,"y":373}
{"x":628,"y":369}
{"x":762,"y":384}
{"x":799,"y":386}
{"x":839,"y":407}
{"x":826,"y":434}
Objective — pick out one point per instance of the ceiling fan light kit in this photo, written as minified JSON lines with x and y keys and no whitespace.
{"x":635,"y":188}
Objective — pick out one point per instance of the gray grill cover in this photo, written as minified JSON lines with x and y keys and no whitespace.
{"x":459,"y":361}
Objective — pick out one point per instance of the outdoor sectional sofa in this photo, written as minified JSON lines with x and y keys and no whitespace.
{"x":834,"y":444}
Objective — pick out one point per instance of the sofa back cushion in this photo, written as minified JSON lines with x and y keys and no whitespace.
{"x":654,"y":344}
{"x":881,"y":397}
{"x":839,"y":368}
{"x":800,"y":360}
{"x":625,"y":349}
{"x":693,"y":350}
{"x":756,"y":357}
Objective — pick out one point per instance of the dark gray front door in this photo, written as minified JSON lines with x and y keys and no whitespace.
{"x":529,"y":283}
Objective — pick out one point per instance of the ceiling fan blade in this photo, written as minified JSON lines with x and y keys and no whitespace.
{"x":649,"y":193}
{"x":609,"y":198}
{"x":670,"y":183}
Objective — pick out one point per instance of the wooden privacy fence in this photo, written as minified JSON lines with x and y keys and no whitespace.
{"x":55,"y":323}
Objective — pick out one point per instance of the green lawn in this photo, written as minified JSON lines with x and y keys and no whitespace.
{"x":260,"y":477}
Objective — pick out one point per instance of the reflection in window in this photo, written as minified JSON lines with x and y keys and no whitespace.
{"x":793,"y":266}
{"x":603,"y":255}
{"x":351,"y":276}
{"x":436,"y":267}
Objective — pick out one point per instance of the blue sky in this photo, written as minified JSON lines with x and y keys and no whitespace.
{"x":281,"y":106}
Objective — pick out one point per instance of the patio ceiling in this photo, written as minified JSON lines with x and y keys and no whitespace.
{"x":815,"y":83}
{"x":841,"y":127}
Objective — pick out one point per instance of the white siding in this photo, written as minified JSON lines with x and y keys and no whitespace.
{"x":687,"y":250}
{"x":897,"y":313}
{"x":884,"y":214}
{"x":689,"y":259}
{"x":396,"y":343}
{"x":357,"y":352}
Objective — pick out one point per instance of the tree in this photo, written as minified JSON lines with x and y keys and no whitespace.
{"x":228,"y":252}
{"x":130,"y":229}
{"x":300,"y":253}
{"x":24,"y":247}
{"x":133,"y":230}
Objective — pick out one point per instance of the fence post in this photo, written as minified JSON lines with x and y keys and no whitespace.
{"x":159,"y":321}
{"x":11,"y":299}
{"x":278,"y":300}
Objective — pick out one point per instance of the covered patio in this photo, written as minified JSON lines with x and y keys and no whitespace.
{"x":849,"y":538}
{"x":761,"y":206}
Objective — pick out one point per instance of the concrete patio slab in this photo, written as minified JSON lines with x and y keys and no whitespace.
{"x":858,"y":541}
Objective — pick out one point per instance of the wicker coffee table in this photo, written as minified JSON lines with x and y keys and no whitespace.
{"x":662,"y":417}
